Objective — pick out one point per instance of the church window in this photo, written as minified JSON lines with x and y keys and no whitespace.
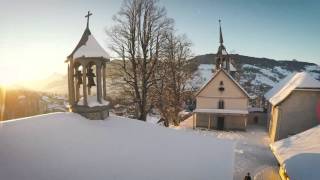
{"x":221,"y":104}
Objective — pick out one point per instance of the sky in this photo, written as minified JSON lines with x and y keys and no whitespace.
{"x":36,"y":36}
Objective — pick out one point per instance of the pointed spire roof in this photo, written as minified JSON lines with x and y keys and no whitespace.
{"x":88,"y":46}
{"x":221,"y":50}
{"x":221,"y":37}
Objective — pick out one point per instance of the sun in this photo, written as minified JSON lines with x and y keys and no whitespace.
{"x":7,"y":81}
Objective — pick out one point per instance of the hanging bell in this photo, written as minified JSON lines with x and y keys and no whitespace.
{"x":91,"y":76}
{"x":79,"y":77}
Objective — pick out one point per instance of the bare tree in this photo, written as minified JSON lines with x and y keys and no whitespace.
{"x":172,"y":73}
{"x":136,"y":38}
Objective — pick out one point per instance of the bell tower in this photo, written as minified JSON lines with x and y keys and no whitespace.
{"x":222,"y":57}
{"x":86,"y":77}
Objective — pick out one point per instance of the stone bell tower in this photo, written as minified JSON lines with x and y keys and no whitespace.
{"x":86,"y":77}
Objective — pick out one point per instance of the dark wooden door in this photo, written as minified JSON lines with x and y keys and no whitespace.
{"x":220,"y":123}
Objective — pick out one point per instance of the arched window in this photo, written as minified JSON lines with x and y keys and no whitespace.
{"x":221,"y":104}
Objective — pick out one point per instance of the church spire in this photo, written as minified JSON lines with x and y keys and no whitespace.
{"x":221,"y":37}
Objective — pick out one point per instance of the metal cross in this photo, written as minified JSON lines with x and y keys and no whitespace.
{"x":88,"y":16}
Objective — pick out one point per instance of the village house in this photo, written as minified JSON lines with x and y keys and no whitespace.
{"x":221,"y":103}
{"x":292,"y":105}
{"x":298,"y":155}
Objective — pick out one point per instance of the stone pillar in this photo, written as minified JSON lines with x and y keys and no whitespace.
{"x":77,"y":85}
{"x":104,"y":80}
{"x":89,"y":88}
{"x":99,"y":90}
{"x":209,"y":122}
{"x":71,"y":83}
{"x":77,"y":91}
{"x":84,"y":81}
{"x":193,"y":122}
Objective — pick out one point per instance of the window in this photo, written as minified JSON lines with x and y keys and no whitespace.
{"x":221,"y":88}
{"x":221,"y":104}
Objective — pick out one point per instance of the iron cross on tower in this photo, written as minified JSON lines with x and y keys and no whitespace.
{"x":88,"y":16}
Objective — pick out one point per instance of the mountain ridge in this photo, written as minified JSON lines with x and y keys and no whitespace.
{"x":254,"y":73}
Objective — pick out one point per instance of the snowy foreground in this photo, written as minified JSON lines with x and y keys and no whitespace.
{"x":252,"y":152}
{"x":67,"y":146}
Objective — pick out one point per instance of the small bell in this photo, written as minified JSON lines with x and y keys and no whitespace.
{"x":90,"y":76}
{"x":79,"y":77}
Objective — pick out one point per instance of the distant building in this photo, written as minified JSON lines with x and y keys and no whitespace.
{"x":292,"y":105}
{"x":221,"y":103}
{"x":257,"y":116}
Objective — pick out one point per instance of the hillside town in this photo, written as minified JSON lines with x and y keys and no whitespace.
{"x":155,"y":111}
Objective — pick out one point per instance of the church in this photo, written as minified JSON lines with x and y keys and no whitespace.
{"x":222,"y":103}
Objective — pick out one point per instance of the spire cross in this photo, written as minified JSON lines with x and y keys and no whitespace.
{"x":88,"y":17}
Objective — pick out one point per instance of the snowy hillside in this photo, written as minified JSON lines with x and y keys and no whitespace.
{"x":257,"y":77}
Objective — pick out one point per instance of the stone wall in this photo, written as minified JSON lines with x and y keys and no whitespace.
{"x":93,"y":113}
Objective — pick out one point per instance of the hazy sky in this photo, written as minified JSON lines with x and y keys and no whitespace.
{"x":37,"y":35}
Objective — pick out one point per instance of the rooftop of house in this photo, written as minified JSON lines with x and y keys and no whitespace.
{"x":298,"y":80}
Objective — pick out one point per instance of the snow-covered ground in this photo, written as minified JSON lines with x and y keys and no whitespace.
{"x":252,"y":152}
{"x":63,"y":146}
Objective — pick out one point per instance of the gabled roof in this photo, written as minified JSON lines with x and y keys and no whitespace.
{"x":228,"y":75}
{"x":88,"y":47}
{"x":283,"y":89}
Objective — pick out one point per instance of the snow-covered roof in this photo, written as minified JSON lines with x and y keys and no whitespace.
{"x":214,"y":75}
{"x":224,"y":52}
{"x":68,"y":146}
{"x":222,"y":111}
{"x":232,"y":68}
{"x":300,"y":80}
{"x":300,"y":154}
{"x":276,"y":88}
{"x":89,"y":47}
